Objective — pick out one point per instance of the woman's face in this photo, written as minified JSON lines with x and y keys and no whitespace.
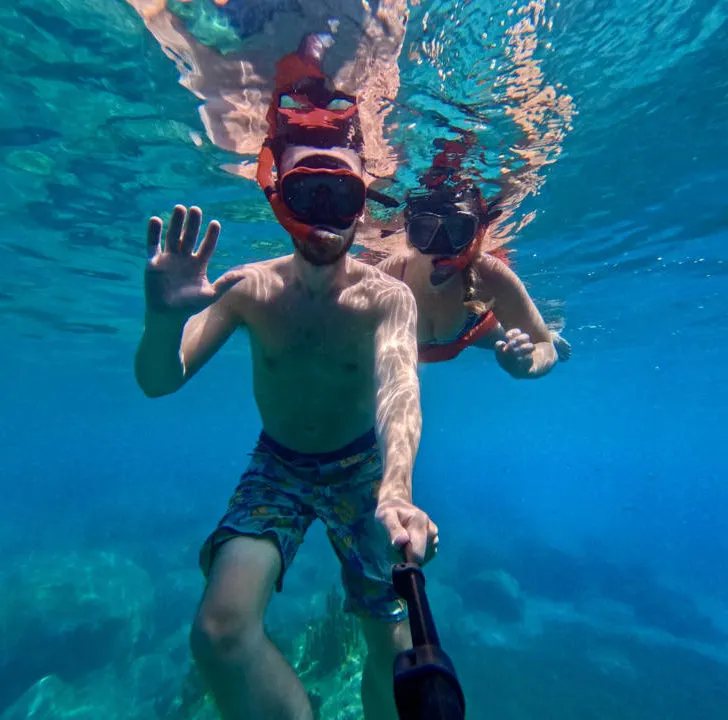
{"x":444,"y":230}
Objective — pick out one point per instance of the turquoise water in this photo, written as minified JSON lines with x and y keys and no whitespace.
{"x":600,"y":489}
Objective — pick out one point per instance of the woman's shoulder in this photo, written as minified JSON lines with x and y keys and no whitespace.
{"x":494,"y":262}
{"x":394,"y":264}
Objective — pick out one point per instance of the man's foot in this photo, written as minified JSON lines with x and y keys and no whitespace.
{"x":563,"y":348}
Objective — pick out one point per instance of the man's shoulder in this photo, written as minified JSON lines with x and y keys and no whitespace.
{"x":260,"y":278}
{"x":378,"y":277}
{"x":384,"y":291}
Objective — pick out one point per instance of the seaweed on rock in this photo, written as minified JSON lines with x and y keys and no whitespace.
{"x":330,"y":641}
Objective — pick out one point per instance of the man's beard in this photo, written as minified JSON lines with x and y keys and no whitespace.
{"x":320,"y":252}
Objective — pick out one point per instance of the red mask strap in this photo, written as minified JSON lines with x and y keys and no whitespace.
{"x":297,"y":229}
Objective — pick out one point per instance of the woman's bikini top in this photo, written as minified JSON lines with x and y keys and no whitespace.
{"x":476,"y":326}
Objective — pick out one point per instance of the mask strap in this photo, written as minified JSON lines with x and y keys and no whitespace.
{"x":285,"y":217}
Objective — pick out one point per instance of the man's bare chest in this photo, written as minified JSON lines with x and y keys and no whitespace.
{"x":306,"y":330}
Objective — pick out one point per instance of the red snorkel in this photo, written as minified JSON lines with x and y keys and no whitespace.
{"x":310,"y":119}
{"x":459,"y":262}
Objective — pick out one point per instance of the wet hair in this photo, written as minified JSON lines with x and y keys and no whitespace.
{"x":473,"y":304}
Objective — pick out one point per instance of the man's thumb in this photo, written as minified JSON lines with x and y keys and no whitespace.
{"x":226,"y":281}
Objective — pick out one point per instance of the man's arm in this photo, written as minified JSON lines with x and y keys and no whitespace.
{"x":399,"y":423}
{"x":398,"y":411}
{"x":514,"y":308}
{"x":171,"y":350}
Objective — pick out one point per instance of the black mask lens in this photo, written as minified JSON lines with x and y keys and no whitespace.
{"x":461,"y":229}
{"x":434,"y":234}
{"x":421,"y":229}
{"x":324,"y":198}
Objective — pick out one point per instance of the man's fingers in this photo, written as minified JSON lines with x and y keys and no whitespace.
{"x":433,"y":531}
{"x":209,"y":242}
{"x":154,"y":237}
{"x":192,"y":229}
{"x":398,"y":536}
{"x":433,"y":537}
{"x":420,"y":533}
{"x":418,"y":546}
{"x":226,"y":281}
{"x":174,"y":230}
{"x":513,"y":333}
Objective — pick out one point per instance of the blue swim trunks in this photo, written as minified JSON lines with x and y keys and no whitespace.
{"x":282,"y":492}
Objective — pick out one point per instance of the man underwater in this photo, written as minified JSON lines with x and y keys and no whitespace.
{"x":334,"y":352}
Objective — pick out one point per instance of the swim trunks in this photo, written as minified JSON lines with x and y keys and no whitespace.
{"x":283,"y":491}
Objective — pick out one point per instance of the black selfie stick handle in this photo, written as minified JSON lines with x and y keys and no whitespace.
{"x":425,"y":684}
{"x":409,"y":582}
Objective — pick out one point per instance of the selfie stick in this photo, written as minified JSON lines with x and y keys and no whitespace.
{"x":425,"y":684}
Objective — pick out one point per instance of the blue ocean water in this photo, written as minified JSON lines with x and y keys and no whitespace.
{"x":600,"y":489}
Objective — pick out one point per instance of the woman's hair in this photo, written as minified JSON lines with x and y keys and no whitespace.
{"x":473,"y":304}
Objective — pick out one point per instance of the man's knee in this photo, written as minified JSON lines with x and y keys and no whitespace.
{"x":229,"y":621}
{"x":219,"y":634}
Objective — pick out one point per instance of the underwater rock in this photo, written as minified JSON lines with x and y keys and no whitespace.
{"x":605,"y":611}
{"x":177,"y":595}
{"x":329,"y":657}
{"x":573,"y":670}
{"x":51,"y":699}
{"x":330,"y":642}
{"x":46,"y":699}
{"x":446,"y":604}
{"x":101,"y":695}
{"x":549,"y":572}
{"x":497,"y":593}
{"x":152,"y":676}
{"x":67,"y":615}
{"x":654,"y":604}
{"x":676,"y":614}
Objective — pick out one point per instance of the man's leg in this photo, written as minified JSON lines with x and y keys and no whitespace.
{"x":384,"y":641}
{"x":248,"y":676}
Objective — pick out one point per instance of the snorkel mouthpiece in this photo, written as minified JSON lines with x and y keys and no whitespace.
{"x":459,"y":262}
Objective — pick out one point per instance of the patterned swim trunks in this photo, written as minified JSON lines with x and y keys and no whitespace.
{"x":282,"y":492}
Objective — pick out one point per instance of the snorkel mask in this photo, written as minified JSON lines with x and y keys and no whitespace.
{"x":307,"y":110}
{"x":446,"y":222}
